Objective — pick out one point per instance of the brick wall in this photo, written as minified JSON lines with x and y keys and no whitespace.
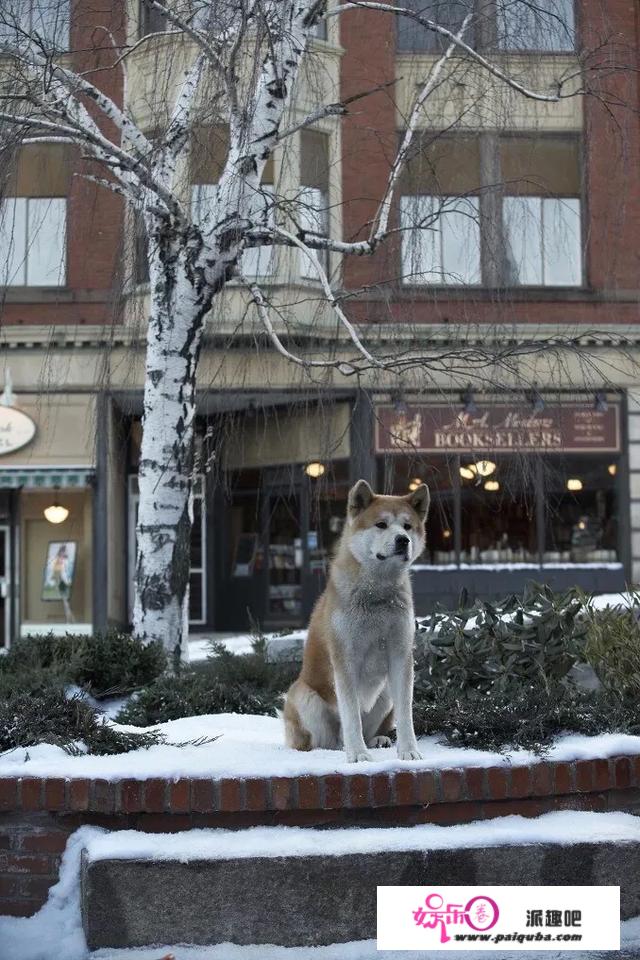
{"x":37,"y":815}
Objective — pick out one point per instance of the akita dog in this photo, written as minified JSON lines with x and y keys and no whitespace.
{"x":356,"y":681}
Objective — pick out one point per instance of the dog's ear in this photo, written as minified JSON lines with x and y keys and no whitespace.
{"x":420,"y":500}
{"x":360,"y":496}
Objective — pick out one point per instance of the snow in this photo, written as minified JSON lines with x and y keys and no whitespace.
{"x":510,"y":567}
{"x":56,"y":929}
{"x":361,"y":950}
{"x":253,"y":746}
{"x":564,"y":827}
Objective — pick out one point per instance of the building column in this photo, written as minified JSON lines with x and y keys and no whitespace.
{"x":362,"y":463}
{"x":100,"y":516}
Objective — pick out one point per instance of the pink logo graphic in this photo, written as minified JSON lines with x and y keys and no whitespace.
{"x":480,"y":913}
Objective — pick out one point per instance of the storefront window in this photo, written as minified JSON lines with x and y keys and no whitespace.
{"x":581,"y":510}
{"x":402,"y":474}
{"x":498,"y":512}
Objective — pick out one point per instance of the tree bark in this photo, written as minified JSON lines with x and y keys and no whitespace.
{"x":165,"y":475}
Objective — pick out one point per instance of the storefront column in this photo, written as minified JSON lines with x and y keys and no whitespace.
{"x":633,"y":436}
{"x":100,"y":517}
{"x":362,"y":462}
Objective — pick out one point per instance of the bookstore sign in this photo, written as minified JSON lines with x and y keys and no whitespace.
{"x":423,"y":428}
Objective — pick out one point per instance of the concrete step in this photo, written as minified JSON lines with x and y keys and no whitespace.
{"x":301,"y":887}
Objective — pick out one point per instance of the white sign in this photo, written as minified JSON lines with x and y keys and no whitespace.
{"x":498,"y":918}
{"x":16,"y":430}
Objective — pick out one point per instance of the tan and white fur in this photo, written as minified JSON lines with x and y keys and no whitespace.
{"x":356,"y":681}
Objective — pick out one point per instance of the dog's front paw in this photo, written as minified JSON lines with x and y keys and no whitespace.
{"x":413,"y":754}
{"x":380,"y":742}
{"x":358,"y":756}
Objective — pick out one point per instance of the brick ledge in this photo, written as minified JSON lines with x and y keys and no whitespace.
{"x":359,"y":790}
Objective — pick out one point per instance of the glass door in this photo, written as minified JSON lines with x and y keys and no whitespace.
{"x":5,"y":588}
{"x":286,"y":556}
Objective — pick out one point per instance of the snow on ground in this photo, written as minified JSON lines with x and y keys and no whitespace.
{"x":56,"y":930}
{"x":254,"y":747}
{"x":563,"y":827}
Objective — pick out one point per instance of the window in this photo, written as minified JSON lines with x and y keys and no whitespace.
{"x":312,"y":207}
{"x":581,"y":499}
{"x":198,"y":558}
{"x":547,"y":25}
{"x":151,"y":20}
{"x":440,"y":240}
{"x":210,"y":147}
{"x":543,"y":245}
{"x":48,"y":19}
{"x":541,"y":211}
{"x":544,"y":26}
{"x":412,"y":36}
{"x":33,"y":242}
{"x":498,"y":511}
{"x":33,"y":219}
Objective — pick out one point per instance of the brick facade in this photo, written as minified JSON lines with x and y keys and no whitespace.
{"x":37,"y":815}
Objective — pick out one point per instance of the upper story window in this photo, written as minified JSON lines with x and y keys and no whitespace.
{"x":210,"y":146}
{"x":45,"y":19}
{"x":440,"y":214}
{"x":411,"y":36}
{"x":312,"y":202}
{"x":527,"y":232}
{"x":541,"y":211}
{"x":151,"y":20}
{"x":545,"y":26}
{"x":33,"y":220}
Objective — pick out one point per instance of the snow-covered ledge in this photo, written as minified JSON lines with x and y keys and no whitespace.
{"x":247,"y":777}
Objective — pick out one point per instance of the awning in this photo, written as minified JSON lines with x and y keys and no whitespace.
{"x":46,"y":478}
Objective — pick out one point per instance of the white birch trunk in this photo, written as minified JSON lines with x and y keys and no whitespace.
{"x":166,"y":456}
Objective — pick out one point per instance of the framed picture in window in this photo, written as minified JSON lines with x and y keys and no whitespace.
{"x":59,"y":570}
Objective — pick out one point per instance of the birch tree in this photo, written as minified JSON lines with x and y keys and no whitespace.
{"x":244,"y":57}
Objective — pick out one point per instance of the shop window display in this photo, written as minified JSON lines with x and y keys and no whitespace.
{"x":405,"y":474}
{"x":498,"y":510}
{"x":582,"y":510}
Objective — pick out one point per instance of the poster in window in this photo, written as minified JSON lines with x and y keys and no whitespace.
{"x":59,"y":570}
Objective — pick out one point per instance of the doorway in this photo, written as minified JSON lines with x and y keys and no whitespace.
{"x":5,"y":586}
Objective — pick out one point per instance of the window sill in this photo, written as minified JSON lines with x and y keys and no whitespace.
{"x":509,"y":294}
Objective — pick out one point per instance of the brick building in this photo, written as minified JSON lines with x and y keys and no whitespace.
{"x":523,"y":290}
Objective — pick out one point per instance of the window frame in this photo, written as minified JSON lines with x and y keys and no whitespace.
{"x":543,"y":243}
{"x":28,"y":244}
{"x":28,"y":15}
{"x":491,"y":220}
{"x":486,"y":37}
{"x":409,"y":231}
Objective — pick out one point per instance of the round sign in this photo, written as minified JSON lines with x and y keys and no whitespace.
{"x":16,"y":430}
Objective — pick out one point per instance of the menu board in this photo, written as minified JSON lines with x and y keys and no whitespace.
{"x":499,"y":428}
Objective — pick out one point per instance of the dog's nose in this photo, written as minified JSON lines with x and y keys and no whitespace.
{"x":402,"y":543}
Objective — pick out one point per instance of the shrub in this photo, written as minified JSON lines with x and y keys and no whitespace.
{"x":522,"y":642}
{"x":111,"y":663}
{"x":50,"y":717}
{"x":613,"y":648}
{"x":228,"y":683}
{"x":529,"y":718}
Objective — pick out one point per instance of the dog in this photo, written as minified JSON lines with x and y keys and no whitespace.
{"x":357,"y":670}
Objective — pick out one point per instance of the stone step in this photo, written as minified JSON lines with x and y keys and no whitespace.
{"x":302,"y":887}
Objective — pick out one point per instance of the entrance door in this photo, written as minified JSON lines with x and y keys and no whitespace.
{"x":5,"y":588}
{"x":286,"y":555}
